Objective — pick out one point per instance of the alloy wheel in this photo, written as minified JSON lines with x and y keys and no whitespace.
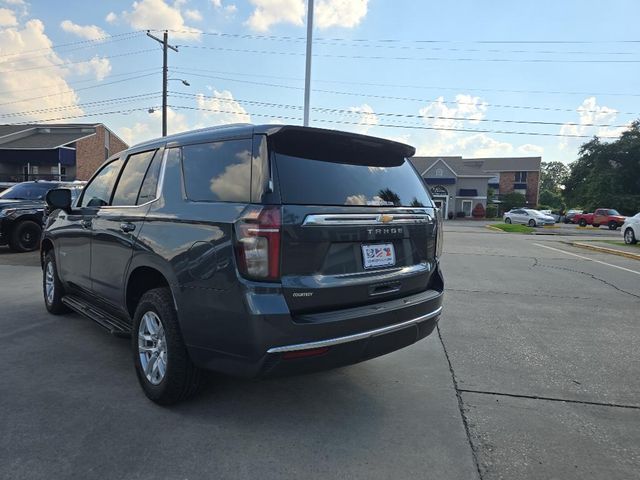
{"x":152,"y":348}
{"x":49,"y":283}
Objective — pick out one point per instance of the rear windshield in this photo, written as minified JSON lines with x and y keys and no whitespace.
{"x":313,"y":182}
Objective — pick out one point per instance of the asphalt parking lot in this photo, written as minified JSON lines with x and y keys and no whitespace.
{"x":533,"y":373}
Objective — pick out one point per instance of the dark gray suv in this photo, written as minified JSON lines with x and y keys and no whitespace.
{"x":249,"y":250}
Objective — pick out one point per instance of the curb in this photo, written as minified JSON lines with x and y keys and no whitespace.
{"x":612,"y":251}
{"x":494,"y":229}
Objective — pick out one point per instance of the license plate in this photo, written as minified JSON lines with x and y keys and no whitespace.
{"x":376,"y":256}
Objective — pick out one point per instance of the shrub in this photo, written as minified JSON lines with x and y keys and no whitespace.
{"x":478,"y":211}
{"x":460,"y":215}
{"x":450,"y":215}
{"x":492,"y":211}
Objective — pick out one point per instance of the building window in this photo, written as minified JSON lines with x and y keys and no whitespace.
{"x":438,"y":172}
{"x":521,"y":177}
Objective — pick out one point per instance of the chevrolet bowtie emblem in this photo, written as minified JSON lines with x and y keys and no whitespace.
{"x":384,"y":218}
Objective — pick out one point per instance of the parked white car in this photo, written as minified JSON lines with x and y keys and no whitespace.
{"x":631,"y":229}
{"x":528,"y":216}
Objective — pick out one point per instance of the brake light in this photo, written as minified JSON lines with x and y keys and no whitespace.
{"x":258,"y":243}
{"x":439,"y":234}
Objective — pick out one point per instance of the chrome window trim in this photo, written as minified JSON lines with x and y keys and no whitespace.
{"x":158,"y":187}
{"x":356,"y":336}
{"x":365,"y":219}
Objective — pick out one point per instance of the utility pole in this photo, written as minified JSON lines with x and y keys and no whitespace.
{"x":165,"y":71}
{"x":307,"y":76}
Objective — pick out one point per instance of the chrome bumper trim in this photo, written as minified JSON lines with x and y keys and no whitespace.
{"x":356,"y":336}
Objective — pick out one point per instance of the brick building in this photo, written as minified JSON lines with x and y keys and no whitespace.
{"x":458,"y":184}
{"x":55,"y":151}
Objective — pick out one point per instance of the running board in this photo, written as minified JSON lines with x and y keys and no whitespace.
{"x":116,"y":326}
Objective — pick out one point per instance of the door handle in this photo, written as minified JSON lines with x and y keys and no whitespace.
{"x":127,"y":227}
{"x":85,"y":223}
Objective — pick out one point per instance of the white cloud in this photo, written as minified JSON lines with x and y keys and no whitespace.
{"x":225,"y":108}
{"x":272,"y":12}
{"x":158,"y":15}
{"x":340,"y":13}
{"x":7,"y":18}
{"x":230,"y":9}
{"x":217,"y":3}
{"x":531,"y":149}
{"x":152,"y":127}
{"x":482,"y":145}
{"x":366,"y":118}
{"x":15,"y":2}
{"x":590,"y":113}
{"x":327,"y":13}
{"x":21,"y":84}
{"x":100,"y":67}
{"x":194,"y":15}
{"x":450,"y":116}
{"x":111,"y":17}
{"x":90,"y":32}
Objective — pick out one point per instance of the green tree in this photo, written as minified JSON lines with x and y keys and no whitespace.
{"x":513,"y":200}
{"x":551,"y":199}
{"x":553,"y":176}
{"x":607,"y":174}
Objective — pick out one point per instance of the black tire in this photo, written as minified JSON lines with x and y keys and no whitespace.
{"x":53,"y":303}
{"x":613,"y":226}
{"x":25,"y":236}
{"x":595,"y":225}
{"x":532,"y":223}
{"x":507,"y":220}
{"x":582,"y":222}
{"x":630,"y":237}
{"x":182,"y":378}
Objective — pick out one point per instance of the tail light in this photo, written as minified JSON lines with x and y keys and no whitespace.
{"x":258,"y":243}
{"x":439,"y":235}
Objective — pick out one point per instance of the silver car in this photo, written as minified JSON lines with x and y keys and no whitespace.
{"x":528,"y":216}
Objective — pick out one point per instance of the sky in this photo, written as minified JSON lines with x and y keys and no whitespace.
{"x":470,"y":78}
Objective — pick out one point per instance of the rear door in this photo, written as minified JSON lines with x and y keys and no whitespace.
{"x":117,"y":225}
{"x":358,"y":226}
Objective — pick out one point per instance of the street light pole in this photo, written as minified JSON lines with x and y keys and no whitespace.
{"x":307,"y":76}
{"x":165,"y":71}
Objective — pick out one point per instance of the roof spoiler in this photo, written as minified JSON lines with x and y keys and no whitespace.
{"x":337,"y":146}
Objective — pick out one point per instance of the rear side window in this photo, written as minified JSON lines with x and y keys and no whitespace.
{"x":150,"y":183}
{"x":218,"y":172}
{"x":131,"y":178}
{"x":315,"y":182}
{"x":98,"y":192}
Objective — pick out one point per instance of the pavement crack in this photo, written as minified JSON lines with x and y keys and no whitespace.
{"x":493,"y":292}
{"x":550,"y":399}
{"x":609,"y":284}
{"x":463,"y":415}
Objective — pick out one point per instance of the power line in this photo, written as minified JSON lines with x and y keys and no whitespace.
{"x":114,"y":112}
{"x":30,"y":58}
{"x":390,"y":97}
{"x":142,"y":96}
{"x":64,"y":64}
{"x":22,"y":100}
{"x":396,"y":115}
{"x":421,"y":59}
{"x":75,"y":82}
{"x":79,"y":42}
{"x":413,"y":127}
{"x":422,"y":87}
{"x":398,"y":40}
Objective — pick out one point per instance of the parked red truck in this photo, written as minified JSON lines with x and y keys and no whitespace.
{"x":602,"y":216}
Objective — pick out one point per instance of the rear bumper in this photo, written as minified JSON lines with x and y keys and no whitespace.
{"x":273,"y":342}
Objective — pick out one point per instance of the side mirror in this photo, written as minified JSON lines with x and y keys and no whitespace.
{"x":59,"y":199}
